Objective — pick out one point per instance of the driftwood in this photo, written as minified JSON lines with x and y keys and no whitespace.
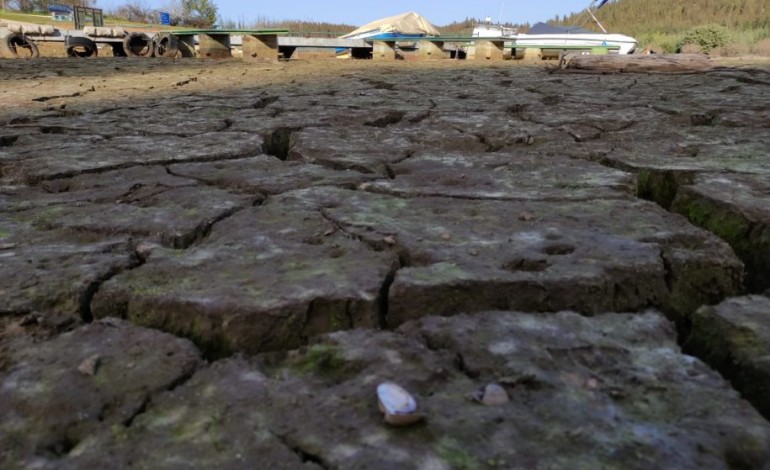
{"x":653,"y":63}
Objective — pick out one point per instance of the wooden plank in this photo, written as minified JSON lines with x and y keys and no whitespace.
{"x":213,"y":32}
{"x":654,"y":63}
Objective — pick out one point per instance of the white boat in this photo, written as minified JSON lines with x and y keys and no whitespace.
{"x":577,"y":39}
{"x":490,"y":30}
{"x":547,"y":36}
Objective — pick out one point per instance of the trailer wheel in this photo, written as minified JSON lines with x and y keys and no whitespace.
{"x":138,"y":45}
{"x":185,"y":50}
{"x":80,"y":47}
{"x":17,"y":45}
{"x":166,"y":45}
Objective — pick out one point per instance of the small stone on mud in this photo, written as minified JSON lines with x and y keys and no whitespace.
{"x":89,"y":366}
{"x":491,"y":395}
{"x":526,"y":216}
{"x":390,"y":240}
{"x":446,"y":236}
{"x":144,"y":249}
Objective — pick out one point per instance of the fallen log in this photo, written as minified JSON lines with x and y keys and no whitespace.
{"x":653,"y":63}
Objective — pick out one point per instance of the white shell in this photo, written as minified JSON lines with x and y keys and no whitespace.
{"x":491,"y":395}
{"x":399,"y":407}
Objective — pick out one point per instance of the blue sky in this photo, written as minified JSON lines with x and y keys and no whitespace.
{"x":436,"y":11}
{"x":363,"y":11}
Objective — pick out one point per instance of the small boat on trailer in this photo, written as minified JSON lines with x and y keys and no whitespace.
{"x":545,"y":36}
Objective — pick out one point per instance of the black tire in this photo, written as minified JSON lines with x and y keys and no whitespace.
{"x":185,"y":50}
{"x":80,"y":47}
{"x":18,"y":46}
{"x":166,"y":45}
{"x":138,"y":45}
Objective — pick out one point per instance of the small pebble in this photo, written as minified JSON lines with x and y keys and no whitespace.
{"x":89,"y":366}
{"x":491,"y":395}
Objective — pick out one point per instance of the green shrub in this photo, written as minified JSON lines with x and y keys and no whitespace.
{"x":660,"y":42}
{"x":708,"y":37}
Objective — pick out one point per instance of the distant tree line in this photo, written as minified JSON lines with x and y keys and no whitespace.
{"x":319,"y":28}
{"x":465,"y":27}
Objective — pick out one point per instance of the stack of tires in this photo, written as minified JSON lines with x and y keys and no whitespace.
{"x":19,"y":45}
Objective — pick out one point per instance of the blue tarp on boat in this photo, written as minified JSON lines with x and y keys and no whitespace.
{"x":63,"y":9}
{"x":543,"y":28}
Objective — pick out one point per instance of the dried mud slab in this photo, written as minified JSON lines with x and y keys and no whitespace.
{"x":323,"y":259}
{"x":266,"y":278}
{"x":707,"y":151}
{"x":108,"y":187}
{"x":505,"y":175}
{"x":266,"y":175}
{"x":48,"y":156}
{"x":55,"y":273}
{"x":174,"y":217}
{"x":608,"y":391}
{"x":466,"y":255}
{"x":218,"y":419}
{"x":734,"y":338}
{"x":735,"y":207}
{"x":56,"y":393}
{"x":364,"y":149}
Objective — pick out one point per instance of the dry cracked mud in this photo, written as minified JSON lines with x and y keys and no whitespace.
{"x":213,"y":264}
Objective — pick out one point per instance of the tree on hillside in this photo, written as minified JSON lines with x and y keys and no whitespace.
{"x":202,"y":13}
{"x":136,"y":11}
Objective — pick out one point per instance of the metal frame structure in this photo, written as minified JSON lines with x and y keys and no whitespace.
{"x":81,"y":15}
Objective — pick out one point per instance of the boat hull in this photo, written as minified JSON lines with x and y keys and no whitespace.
{"x":625,"y":44}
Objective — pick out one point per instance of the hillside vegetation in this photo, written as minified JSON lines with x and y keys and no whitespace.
{"x":664,"y":24}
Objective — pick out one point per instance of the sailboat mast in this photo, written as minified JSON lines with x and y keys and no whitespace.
{"x":590,"y":12}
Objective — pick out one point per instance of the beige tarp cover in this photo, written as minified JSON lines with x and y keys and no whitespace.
{"x":405,"y":23}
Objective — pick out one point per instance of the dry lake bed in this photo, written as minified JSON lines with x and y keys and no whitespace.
{"x":214,"y":264}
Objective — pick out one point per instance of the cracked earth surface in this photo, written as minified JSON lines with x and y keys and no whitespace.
{"x":213,"y":264}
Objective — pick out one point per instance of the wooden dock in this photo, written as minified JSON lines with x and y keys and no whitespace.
{"x":268,"y":44}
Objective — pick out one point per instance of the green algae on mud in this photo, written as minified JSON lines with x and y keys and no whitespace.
{"x":736,"y":218}
{"x":734,"y":338}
